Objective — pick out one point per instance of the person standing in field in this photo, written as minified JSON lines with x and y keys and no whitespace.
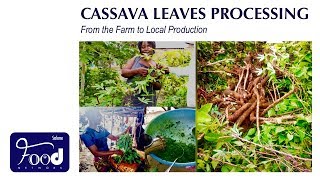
{"x":136,"y":69}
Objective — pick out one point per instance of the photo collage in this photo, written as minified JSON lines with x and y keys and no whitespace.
{"x":205,"y":106}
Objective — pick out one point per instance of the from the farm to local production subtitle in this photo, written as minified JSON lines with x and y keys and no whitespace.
{"x":148,"y":29}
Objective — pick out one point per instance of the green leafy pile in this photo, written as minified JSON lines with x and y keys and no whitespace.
{"x":129,"y":154}
{"x":174,"y":149}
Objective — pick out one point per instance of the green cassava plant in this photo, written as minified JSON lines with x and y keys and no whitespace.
{"x":254,"y":106}
{"x":129,"y":154}
{"x":100,"y":82}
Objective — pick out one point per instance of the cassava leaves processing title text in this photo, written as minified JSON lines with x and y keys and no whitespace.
{"x":250,"y":13}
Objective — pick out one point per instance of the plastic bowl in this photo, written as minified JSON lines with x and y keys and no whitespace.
{"x":185,"y":119}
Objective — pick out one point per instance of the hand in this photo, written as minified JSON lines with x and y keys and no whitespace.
{"x":128,"y":129}
{"x":118,"y":152}
{"x":165,"y":69}
{"x":159,"y":66}
{"x":134,"y":144}
{"x":142,"y":71}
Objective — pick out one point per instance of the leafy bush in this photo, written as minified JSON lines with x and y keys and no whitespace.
{"x":174,"y":91}
{"x":96,"y":71}
{"x":174,"y":58}
{"x":282,"y":147}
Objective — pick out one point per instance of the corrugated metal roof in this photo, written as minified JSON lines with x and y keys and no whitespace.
{"x":172,"y":44}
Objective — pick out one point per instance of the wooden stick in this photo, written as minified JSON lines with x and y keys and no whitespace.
{"x":277,"y":101}
{"x":274,"y":92}
{"x":279,"y":119}
{"x":273,"y":150}
{"x":278,"y":92}
{"x":291,"y":112}
{"x":245,"y":80}
{"x":271,"y":95}
{"x":274,"y":122}
{"x":217,"y":62}
{"x":240,"y":79}
{"x":222,"y":72}
{"x":257,"y":111}
{"x":229,"y":71}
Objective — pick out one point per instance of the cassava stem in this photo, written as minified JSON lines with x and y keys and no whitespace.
{"x":276,"y":102}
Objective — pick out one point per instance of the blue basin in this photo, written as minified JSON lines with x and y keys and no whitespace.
{"x":184,"y":120}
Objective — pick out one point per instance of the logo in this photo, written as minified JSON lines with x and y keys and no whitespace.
{"x":39,"y":152}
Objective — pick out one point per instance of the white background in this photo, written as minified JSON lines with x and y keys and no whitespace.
{"x":39,"y":68}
